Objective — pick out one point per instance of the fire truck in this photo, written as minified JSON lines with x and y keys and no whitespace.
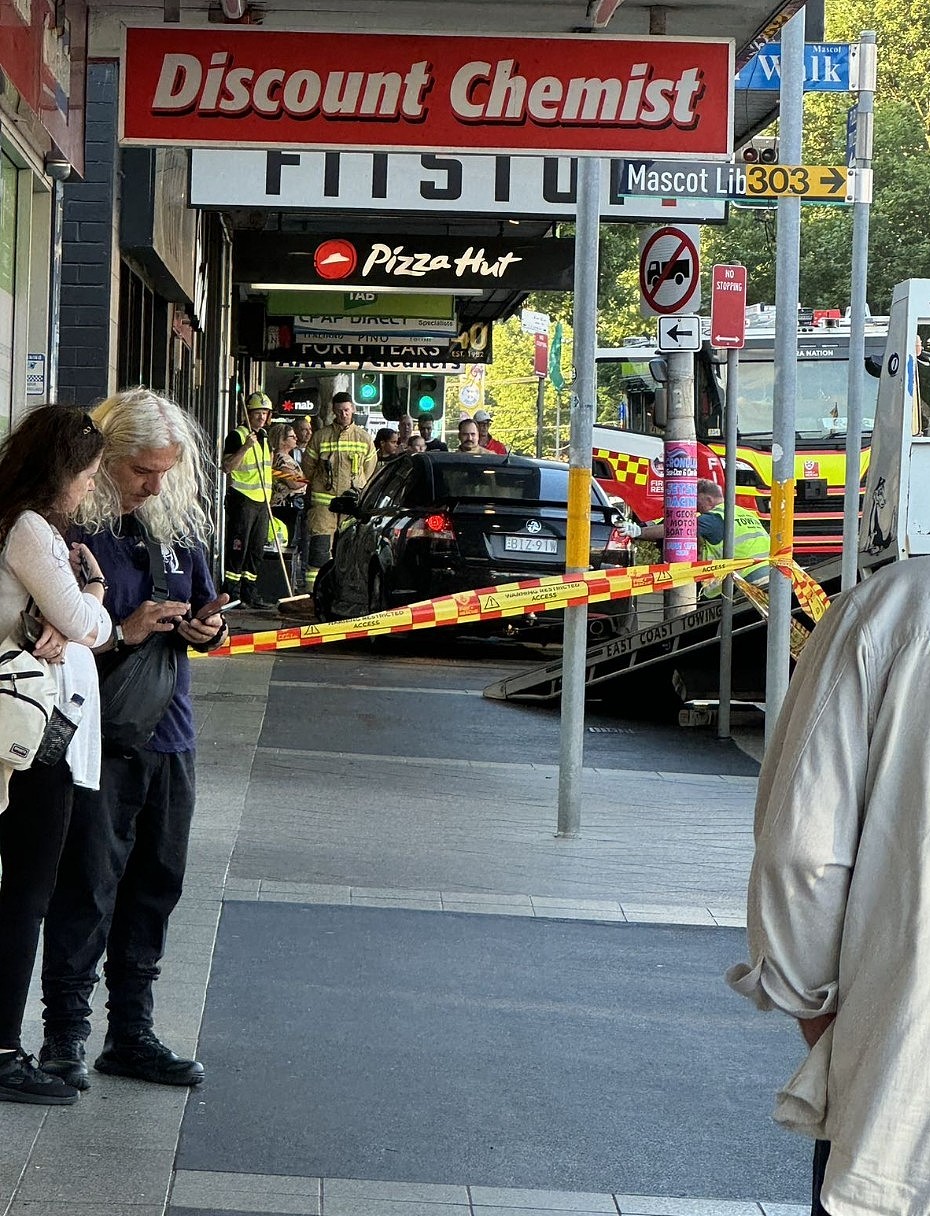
{"x":627,"y":457}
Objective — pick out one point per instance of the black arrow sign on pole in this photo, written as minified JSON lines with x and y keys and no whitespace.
{"x":836,"y":180}
{"x":677,"y":330}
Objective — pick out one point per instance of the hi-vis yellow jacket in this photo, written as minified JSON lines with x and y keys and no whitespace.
{"x":253,"y":476}
{"x":334,"y":461}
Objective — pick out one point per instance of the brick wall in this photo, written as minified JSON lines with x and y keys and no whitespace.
{"x":90,"y":260}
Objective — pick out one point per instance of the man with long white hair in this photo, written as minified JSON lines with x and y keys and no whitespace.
{"x":123,"y":862}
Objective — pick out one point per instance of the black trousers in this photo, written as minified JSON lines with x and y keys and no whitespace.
{"x":120,"y":876}
{"x":246,"y":531}
{"x":32,"y":834}
{"x":821,"y":1155}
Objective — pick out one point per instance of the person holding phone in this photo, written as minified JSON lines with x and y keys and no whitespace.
{"x":122,"y":868}
{"x":47,"y":466}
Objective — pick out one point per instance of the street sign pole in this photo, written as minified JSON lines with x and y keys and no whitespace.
{"x":680,"y":544}
{"x":578,"y":539}
{"x":728,"y":331}
{"x":858,"y":309}
{"x":787,"y":273}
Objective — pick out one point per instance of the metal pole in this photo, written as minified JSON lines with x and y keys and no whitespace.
{"x":558,"y":424}
{"x":540,"y":415}
{"x":787,"y":266}
{"x":578,"y":540}
{"x":858,"y":306}
{"x":729,"y":543}
{"x":54,"y":289}
{"x":680,"y":543}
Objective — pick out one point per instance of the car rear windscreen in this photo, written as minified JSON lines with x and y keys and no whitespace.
{"x":523,"y":483}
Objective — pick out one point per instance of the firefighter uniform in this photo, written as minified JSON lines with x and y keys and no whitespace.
{"x":247,"y":491}
{"x":335,"y":460}
{"x":750,"y":539}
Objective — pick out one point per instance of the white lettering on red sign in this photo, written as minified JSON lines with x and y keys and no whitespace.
{"x":569,"y":95}
{"x":480,"y":92}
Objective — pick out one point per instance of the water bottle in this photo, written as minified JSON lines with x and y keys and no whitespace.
{"x":60,"y":731}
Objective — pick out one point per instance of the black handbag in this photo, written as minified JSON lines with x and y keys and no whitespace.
{"x":136,"y":690}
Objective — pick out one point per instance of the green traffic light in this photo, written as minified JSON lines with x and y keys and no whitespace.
{"x":426,"y":404}
{"x":368,"y":392}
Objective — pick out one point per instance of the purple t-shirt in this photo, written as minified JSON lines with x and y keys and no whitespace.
{"x":124,"y":560}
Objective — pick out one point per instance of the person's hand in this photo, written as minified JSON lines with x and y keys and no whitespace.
{"x":83,"y":562}
{"x":629,"y":529}
{"x":51,"y":644}
{"x":206,"y":624}
{"x":153,"y":617}
{"x":813,"y":1028}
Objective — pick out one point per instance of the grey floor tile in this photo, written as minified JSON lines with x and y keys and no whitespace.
{"x":653,"y":1205}
{"x":550,"y":1201}
{"x":487,"y":909}
{"x":362,"y":1188}
{"x":392,"y":1207}
{"x":132,"y":1176}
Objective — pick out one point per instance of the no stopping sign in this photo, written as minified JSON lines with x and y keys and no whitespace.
{"x":670,"y":270}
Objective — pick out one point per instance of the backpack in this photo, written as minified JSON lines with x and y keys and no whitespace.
{"x":28,"y":693}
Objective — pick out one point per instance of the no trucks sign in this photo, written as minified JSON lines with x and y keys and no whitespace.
{"x":572,"y":95}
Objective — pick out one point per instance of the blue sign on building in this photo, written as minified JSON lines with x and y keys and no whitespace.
{"x":826,"y":68}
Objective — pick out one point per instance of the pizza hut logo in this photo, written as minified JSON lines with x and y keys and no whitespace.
{"x":335,"y":259}
{"x":811,"y":468}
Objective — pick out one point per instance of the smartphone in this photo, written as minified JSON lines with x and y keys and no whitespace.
{"x":85,"y":567}
{"x":226,"y":607}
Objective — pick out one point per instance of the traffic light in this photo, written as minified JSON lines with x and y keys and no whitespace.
{"x":366,"y":389}
{"x":763,"y":150}
{"x":427,"y":397}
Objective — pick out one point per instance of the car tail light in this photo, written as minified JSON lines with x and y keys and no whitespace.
{"x":618,"y":542}
{"x":437,"y":526}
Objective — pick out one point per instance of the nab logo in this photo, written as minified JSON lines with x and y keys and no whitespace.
{"x":335,"y":259}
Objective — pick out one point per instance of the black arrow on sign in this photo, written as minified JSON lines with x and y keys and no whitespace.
{"x":674,"y":332}
{"x":835,"y":182}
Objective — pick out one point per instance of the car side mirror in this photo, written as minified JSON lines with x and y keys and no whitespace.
{"x":660,"y":406}
{"x":346,"y":504}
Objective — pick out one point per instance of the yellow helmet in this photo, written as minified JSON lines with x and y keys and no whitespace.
{"x":258,"y":401}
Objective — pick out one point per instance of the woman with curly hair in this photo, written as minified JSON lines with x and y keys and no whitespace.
{"x":47,"y":467}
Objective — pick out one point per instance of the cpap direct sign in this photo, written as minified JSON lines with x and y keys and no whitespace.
{"x":576,"y":95}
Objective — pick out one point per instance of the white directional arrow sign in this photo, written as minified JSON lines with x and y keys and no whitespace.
{"x":680,"y":333}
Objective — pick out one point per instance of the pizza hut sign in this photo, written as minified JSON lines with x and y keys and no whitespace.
{"x":225,"y":87}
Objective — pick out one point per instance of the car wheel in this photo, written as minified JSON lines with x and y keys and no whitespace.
{"x":324,"y":591}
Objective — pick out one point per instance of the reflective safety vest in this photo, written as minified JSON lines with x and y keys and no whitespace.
{"x":750,"y":539}
{"x":336,"y":460}
{"x":253,"y":476}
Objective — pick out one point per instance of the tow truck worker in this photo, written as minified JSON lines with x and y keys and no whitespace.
{"x":339,"y":457}
{"x":750,"y":537}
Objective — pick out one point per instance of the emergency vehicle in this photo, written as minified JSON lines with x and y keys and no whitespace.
{"x":627,"y":457}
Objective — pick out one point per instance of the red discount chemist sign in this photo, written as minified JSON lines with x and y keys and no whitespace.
{"x":728,"y":306}
{"x":569,"y":95}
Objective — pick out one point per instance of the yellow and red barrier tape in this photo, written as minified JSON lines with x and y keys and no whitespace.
{"x":518,"y":599}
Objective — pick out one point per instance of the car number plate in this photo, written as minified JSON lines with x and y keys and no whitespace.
{"x":531,"y":544}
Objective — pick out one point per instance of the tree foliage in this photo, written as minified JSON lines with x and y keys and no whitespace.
{"x":897,"y":246}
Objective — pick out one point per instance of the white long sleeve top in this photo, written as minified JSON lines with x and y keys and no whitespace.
{"x":34,"y":562}
{"x":839,"y":894}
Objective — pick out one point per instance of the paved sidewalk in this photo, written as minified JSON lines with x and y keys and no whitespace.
{"x":319,"y":825}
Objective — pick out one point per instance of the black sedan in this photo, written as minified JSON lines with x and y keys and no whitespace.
{"x":435,"y":523}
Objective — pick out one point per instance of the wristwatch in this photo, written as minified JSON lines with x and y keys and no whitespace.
{"x":97,"y":578}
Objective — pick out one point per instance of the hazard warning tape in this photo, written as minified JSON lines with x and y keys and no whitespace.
{"x":494,"y":603}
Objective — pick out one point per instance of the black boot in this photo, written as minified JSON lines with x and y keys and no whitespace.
{"x":146,"y":1058}
{"x":62,"y":1055}
{"x":22,"y":1081}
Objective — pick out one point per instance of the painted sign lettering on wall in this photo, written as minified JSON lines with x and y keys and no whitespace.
{"x":572,"y":94}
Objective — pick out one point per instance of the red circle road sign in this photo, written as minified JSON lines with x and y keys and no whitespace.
{"x":669,"y":272}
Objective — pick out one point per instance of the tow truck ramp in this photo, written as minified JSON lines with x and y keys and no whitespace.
{"x":665,"y":644}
